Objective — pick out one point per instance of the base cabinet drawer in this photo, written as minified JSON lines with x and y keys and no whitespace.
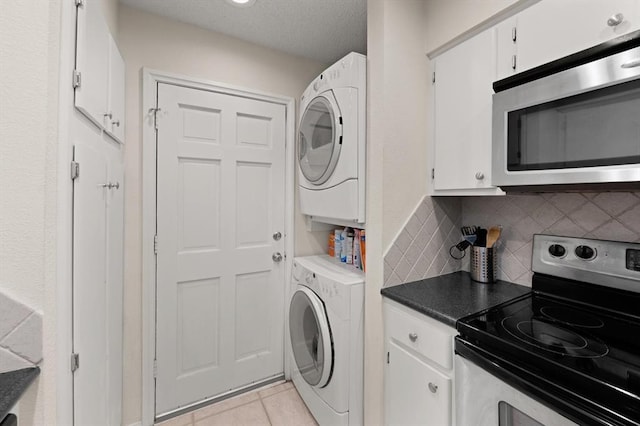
{"x":426,"y":336}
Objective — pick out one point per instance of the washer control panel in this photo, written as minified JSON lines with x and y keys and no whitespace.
{"x":324,"y":288}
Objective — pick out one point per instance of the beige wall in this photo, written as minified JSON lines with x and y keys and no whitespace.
{"x":148,"y":40}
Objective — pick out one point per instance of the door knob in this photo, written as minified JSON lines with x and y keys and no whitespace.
{"x":277,"y":236}
{"x":479,"y":175}
{"x":413,"y":337}
{"x":615,"y":20}
{"x":433,"y":387}
{"x":277,"y":257}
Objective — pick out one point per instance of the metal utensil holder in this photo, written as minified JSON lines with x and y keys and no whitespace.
{"x":483,"y":264}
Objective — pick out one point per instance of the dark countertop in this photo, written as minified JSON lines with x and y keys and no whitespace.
{"x":450,"y":297}
{"x":12,"y":386}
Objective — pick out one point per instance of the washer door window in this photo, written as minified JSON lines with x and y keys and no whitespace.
{"x":320,"y":139}
{"x":310,"y":337}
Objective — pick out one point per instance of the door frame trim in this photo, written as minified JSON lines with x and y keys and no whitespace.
{"x":150,"y":80}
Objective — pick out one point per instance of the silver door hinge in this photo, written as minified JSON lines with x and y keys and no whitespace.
{"x":75,"y":362}
{"x":387,"y":357}
{"x":433,"y":173}
{"x":513,"y":62}
{"x":514,"y":34}
{"x":155,"y":368}
{"x":75,"y":170}
{"x":77,"y":79}
{"x":79,"y":3}
{"x":155,"y":244}
{"x":433,"y":77}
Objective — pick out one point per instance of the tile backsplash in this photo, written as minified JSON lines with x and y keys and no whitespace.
{"x":20,"y":335}
{"x":421,"y":249}
{"x":600,"y":215}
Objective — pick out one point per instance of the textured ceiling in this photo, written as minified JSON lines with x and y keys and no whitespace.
{"x":322,"y":30}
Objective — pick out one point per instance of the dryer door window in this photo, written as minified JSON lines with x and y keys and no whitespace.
{"x":310,"y":337}
{"x":320,"y":139}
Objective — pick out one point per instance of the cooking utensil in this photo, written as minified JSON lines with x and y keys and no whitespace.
{"x":481,"y":240}
{"x":468,"y":230}
{"x":493,"y":235}
{"x":471,"y":238}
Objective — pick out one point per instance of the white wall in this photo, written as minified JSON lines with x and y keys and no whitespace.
{"x":148,"y":40}
{"x":396,"y":156}
{"x":110,"y":11}
{"x":29,"y":48}
{"x":400,"y":33}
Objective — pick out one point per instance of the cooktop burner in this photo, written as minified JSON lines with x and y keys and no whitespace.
{"x":546,"y":335}
{"x":573,"y":342}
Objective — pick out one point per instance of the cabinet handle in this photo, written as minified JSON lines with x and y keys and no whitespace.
{"x":413,"y":337}
{"x":479,"y":175}
{"x":114,"y":185}
{"x":108,"y":115}
{"x":116,"y":123}
{"x":433,"y":387}
{"x":615,"y":20}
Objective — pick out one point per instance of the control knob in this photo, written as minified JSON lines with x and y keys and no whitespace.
{"x":585,"y":252}
{"x":556,"y":250}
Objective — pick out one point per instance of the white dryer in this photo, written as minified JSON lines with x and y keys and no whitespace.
{"x":326,"y":325}
{"x":331,"y":142}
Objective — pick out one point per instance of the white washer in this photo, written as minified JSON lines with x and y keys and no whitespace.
{"x":332,"y":140}
{"x":326,"y":326}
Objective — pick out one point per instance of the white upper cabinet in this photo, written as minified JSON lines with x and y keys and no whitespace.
{"x":552,"y":29}
{"x":100,"y":71}
{"x":506,"y":55}
{"x":114,"y":119}
{"x":462,"y":108}
{"x":92,"y":62}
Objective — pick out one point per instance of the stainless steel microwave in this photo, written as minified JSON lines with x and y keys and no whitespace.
{"x":571,"y":123}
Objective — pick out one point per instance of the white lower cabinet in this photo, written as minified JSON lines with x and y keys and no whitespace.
{"x":98,"y":229}
{"x":418,"y":379}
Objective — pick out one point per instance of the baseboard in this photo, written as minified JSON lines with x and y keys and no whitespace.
{"x":136,"y":424}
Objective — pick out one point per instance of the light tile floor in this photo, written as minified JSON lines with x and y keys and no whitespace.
{"x":277,"y":404}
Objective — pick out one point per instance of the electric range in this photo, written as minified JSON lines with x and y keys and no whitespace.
{"x":573,"y":343}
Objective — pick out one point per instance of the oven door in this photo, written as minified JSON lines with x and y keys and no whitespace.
{"x":577,"y":126}
{"x":484,"y":400}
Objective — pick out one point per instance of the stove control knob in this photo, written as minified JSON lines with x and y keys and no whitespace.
{"x":585,"y":252}
{"x":556,"y":250}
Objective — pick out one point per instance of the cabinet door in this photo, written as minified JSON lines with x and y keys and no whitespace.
{"x":89,"y":285}
{"x":415,"y":393}
{"x":92,"y":53}
{"x":115,"y":277}
{"x":506,"y":36}
{"x":463,"y":90}
{"x":550,"y":29}
{"x":114,"y":121}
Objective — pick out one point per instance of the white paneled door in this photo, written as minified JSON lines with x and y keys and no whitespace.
{"x":220,"y":285}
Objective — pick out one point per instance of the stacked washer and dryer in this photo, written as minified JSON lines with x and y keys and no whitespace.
{"x":326,"y":313}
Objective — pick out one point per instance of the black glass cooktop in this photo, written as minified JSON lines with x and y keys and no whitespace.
{"x":590,"y":353}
